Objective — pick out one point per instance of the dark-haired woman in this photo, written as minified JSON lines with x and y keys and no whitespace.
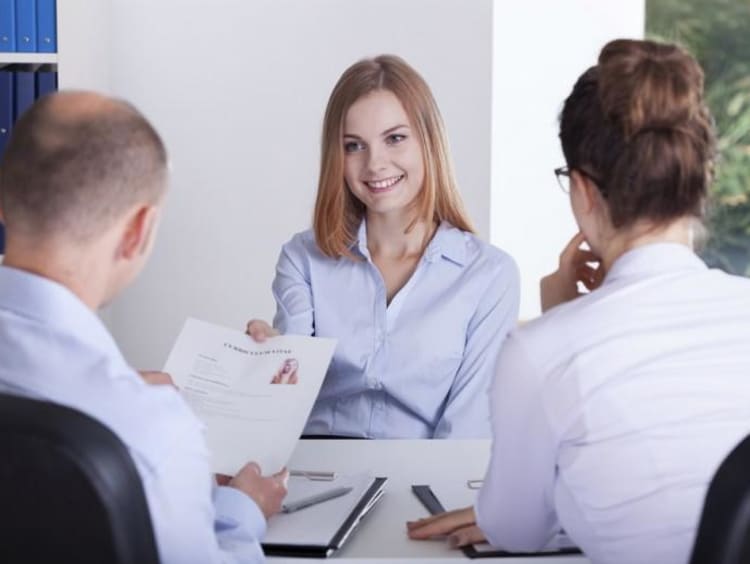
{"x":612,"y":411}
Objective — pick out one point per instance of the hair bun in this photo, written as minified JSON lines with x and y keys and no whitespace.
{"x":647,"y":87}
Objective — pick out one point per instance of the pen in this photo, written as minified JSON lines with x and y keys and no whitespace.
{"x":314,"y":499}
{"x":315,"y":475}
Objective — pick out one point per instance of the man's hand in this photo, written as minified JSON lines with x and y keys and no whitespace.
{"x":459,"y":525}
{"x":562,"y":285}
{"x":259,"y":330}
{"x":156,"y":378}
{"x":266,"y":492}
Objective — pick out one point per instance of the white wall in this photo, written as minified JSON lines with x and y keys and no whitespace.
{"x":238,"y":89}
{"x":540,"y":47}
{"x":83,"y":32}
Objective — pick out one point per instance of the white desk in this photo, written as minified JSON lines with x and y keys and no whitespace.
{"x":382,"y":534}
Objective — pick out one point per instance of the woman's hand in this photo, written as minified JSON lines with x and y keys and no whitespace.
{"x":259,"y":330}
{"x":562,"y":285}
{"x":459,"y":525}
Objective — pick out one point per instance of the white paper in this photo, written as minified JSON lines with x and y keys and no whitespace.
{"x":254,"y":398}
{"x":316,"y":525}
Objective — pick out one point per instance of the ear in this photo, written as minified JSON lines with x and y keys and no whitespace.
{"x":139,"y":229}
{"x":584,"y":192}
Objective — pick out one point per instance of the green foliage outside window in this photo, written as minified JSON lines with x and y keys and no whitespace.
{"x":717,"y":33}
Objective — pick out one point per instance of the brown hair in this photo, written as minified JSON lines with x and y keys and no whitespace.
{"x":75,"y":162}
{"x":637,"y":123}
{"x":337,"y":212}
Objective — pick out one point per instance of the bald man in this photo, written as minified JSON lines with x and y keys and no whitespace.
{"x":81,"y":187}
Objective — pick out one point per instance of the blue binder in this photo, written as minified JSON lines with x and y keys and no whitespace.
{"x":6,"y":108}
{"x":26,"y":26}
{"x":24,"y":92}
{"x":46,"y":82}
{"x":2,"y":239}
{"x":7,"y":25}
{"x":46,"y":28}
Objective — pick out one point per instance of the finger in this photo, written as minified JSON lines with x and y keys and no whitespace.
{"x":444,"y":524}
{"x":259,"y":330}
{"x":588,"y":284}
{"x":410,"y":525}
{"x":584,"y":255}
{"x":599,"y":275}
{"x":156,"y":378}
{"x":282,"y":476}
{"x":293,"y":378}
{"x":586,"y":273}
{"x":223,"y":479}
{"x":590,"y":276}
{"x":466,"y":535}
{"x":251,"y":467}
{"x":570,"y":249}
{"x":425,"y":520}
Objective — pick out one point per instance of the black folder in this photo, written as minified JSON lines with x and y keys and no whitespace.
{"x":341,"y":530}
{"x":433,"y":505}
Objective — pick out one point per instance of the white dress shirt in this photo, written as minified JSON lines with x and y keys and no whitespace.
{"x":417,"y":367}
{"x":612,"y":412}
{"x":54,"y":348}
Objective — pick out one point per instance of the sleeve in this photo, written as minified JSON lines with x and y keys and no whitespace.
{"x":515,"y":507}
{"x":292,"y":290}
{"x":194,"y":520}
{"x":466,"y":413}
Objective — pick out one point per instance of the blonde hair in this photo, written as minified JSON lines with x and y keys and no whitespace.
{"x":338,"y":213}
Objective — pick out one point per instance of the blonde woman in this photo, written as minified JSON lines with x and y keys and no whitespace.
{"x":393,"y":270}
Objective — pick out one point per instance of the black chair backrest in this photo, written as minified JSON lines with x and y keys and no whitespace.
{"x":724,"y":530}
{"x":69,"y":491}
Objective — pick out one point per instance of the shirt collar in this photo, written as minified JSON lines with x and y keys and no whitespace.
{"x":447,"y":242}
{"x":53,"y":305}
{"x":654,"y":259}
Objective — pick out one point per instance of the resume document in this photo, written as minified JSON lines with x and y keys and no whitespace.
{"x":254,"y":398}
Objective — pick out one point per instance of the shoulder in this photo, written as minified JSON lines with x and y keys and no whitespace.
{"x":302,"y":246}
{"x":554,"y":335}
{"x":154,"y":421}
{"x":302,"y":241}
{"x":731,"y":282}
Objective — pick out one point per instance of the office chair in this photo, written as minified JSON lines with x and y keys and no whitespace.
{"x":69,"y":491}
{"x":724,"y":530}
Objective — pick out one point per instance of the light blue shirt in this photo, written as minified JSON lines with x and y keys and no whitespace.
{"x":418,"y":367}
{"x":54,"y":348}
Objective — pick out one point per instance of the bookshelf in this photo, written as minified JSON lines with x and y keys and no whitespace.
{"x":83,"y":46}
{"x":28,"y":58}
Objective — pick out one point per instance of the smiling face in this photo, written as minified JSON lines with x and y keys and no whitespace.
{"x":383,"y":162}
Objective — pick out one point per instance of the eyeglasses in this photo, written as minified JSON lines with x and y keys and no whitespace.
{"x":562,"y":174}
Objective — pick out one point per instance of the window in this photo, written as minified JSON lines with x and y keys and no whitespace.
{"x":717,"y":33}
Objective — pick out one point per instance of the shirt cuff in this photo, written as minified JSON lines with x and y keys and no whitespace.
{"x":237,"y":510}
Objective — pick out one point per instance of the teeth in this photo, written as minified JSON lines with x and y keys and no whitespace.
{"x":385,"y":183}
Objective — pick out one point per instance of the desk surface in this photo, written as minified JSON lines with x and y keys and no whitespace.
{"x":382,"y":535}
